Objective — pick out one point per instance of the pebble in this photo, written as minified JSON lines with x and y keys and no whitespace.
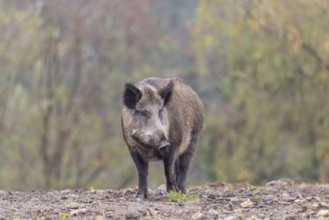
{"x":247,"y":204}
{"x":290,"y":217}
{"x":324,"y":205}
{"x":152,"y":212}
{"x":143,"y":212}
{"x":99,"y":217}
{"x":133,"y":215}
{"x":128,"y":191}
{"x":205,"y":217}
{"x":253,"y":218}
{"x":78,"y":211}
{"x":158,"y":191}
{"x":313,"y":206}
{"x":233,"y":217}
{"x":213,"y":213}
{"x":73,"y":205}
{"x":281,"y":182}
{"x":269,"y":201}
{"x":323,"y":213}
{"x":162,"y":187}
{"x":229,"y":206}
{"x":196,"y":215}
{"x":289,"y":199}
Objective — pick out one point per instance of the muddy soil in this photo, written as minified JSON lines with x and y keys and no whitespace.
{"x":280,"y":199}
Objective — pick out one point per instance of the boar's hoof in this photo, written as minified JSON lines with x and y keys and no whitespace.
{"x":182,"y":190}
{"x":141,"y":194}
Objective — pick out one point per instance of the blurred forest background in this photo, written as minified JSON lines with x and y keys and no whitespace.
{"x":261,"y":68}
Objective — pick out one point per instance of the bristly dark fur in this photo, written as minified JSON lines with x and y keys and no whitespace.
{"x":166,"y":92}
{"x":131,"y":95}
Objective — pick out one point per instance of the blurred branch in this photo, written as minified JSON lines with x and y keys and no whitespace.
{"x":311,"y":51}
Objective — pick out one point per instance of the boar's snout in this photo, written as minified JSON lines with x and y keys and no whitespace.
{"x":164,"y":146}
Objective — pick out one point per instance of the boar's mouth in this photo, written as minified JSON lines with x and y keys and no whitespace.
{"x":142,"y":143}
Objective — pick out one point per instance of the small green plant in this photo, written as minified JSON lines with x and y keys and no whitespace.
{"x":175,"y":196}
{"x":62,"y":216}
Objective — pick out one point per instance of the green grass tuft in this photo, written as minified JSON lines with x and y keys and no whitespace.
{"x":175,"y":196}
{"x":62,"y":216}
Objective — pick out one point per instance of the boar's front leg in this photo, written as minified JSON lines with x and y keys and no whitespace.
{"x":142,"y":168}
{"x":169,"y":166}
{"x":183,"y":162}
{"x":181,"y":169}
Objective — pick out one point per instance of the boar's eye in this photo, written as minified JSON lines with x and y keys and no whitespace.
{"x":143,"y":113}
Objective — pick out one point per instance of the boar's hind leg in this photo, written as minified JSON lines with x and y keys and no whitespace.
{"x":142,"y":168}
{"x":183,"y":162}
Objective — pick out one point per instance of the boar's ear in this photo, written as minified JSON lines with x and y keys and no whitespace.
{"x":131,"y":95}
{"x":166,"y":92}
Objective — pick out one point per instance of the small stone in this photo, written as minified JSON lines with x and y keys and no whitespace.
{"x":133,"y":215}
{"x":83,"y":211}
{"x":232,"y":217}
{"x":152,"y":212}
{"x":76,"y":212}
{"x":160,"y":191}
{"x":284,"y":203}
{"x":300,"y":201}
{"x":213,"y":213}
{"x":109,"y":214}
{"x":162,"y":187}
{"x":285,"y":195}
{"x":290,"y":217}
{"x":73,"y":205}
{"x":210,"y":192}
{"x":196,"y":215}
{"x":323,"y":213}
{"x":247,"y":204}
{"x":324,"y":205}
{"x":179,"y":212}
{"x":313,"y":206}
{"x":281,"y":182}
{"x":252,"y":218}
{"x":289,"y":199}
{"x":229,"y":206}
{"x":205,"y":217}
{"x":142,"y":212}
{"x":99,"y":217}
{"x":128,"y":191}
{"x":304,"y":209}
{"x":269,"y":201}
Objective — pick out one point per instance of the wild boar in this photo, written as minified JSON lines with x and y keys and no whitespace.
{"x":161,"y":120}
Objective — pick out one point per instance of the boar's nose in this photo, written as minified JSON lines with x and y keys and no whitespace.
{"x":163,"y":146}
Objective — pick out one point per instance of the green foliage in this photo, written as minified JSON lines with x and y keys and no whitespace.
{"x":62,"y":73}
{"x":273,"y":81}
{"x":62,"y":216}
{"x":175,"y":196}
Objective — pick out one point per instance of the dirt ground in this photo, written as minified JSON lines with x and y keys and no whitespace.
{"x":281,"y":199}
